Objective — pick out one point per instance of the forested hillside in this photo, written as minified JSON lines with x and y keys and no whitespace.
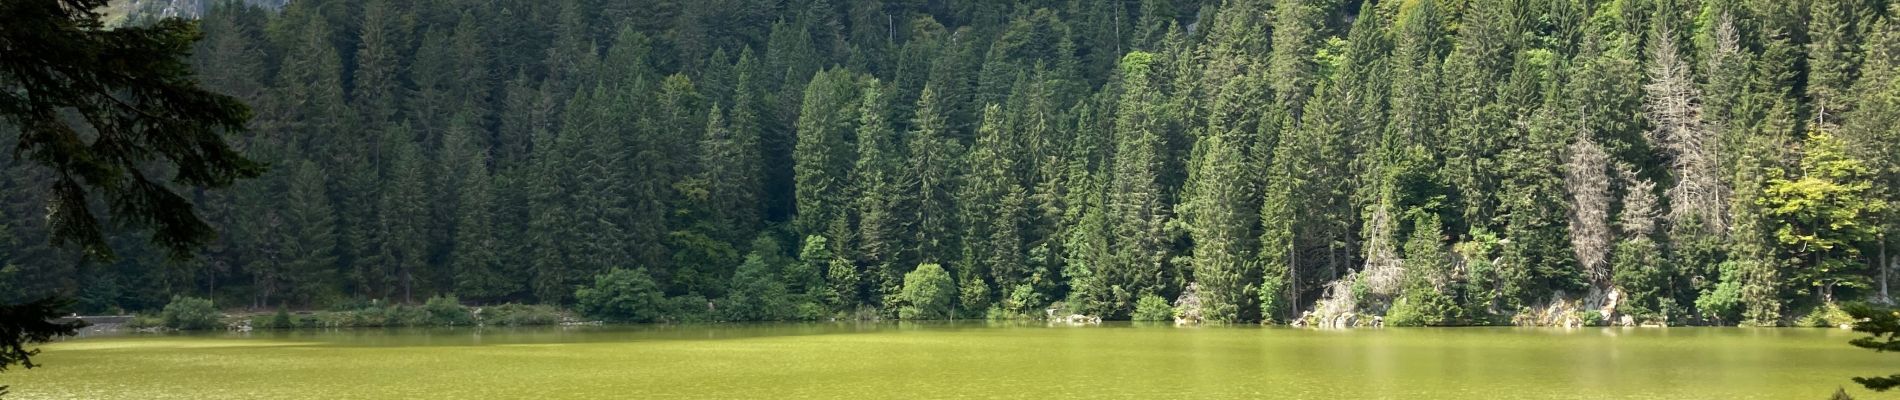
{"x":1438,"y":162}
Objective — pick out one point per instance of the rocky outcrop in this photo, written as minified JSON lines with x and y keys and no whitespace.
{"x":1187,"y":308}
{"x":1596,"y":308}
{"x":1075,"y":320}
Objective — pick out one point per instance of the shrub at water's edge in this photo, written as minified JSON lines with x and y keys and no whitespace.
{"x":928,"y":294}
{"x":190,"y":313}
{"x":187,"y":313}
{"x":1152,"y":308}
{"x":1827,"y":315}
{"x":622,"y":295}
{"x":512,"y":314}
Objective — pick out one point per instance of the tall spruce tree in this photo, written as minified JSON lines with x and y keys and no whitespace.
{"x":1137,"y":203}
{"x":311,"y":248}
{"x":934,"y":164}
{"x":822,"y":156}
{"x":475,"y":262}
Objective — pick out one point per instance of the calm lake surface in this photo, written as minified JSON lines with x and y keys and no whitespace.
{"x":945,"y":360}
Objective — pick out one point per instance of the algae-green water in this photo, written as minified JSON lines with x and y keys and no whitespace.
{"x":929,"y":361}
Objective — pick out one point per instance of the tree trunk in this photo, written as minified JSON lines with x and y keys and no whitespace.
{"x":258,"y":281}
{"x":1293,"y":280}
{"x":1884,"y":264}
{"x":406,"y":279}
{"x":211,"y":281}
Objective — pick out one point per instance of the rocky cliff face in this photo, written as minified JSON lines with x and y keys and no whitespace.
{"x":133,"y":10}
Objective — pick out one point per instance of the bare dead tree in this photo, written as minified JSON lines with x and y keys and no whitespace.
{"x":1673,"y":103}
{"x":1381,"y":251}
{"x":1639,"y":204}
{"x":1587,"y":179}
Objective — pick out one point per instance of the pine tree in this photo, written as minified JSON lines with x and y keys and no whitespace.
{"x":548,"y":226}
{"x":730,"y":166}
{"x":993,"y":208}
{"x":933,"y":167}
{"x":822,"y":157}
{"x":475,"y":262}
{"x":434,"y":99}
{"x":1220,"y":215}
{"x":1869,"y":135}
{"x":1298,"y":27}
{"x":880,"y":201}
{"x":1752,"y":276}
{"x":377,"y":82}
{"x":1834,"y":58}
{"x":1636,"y":259}
{"x":231,"y":58}
{"x":312,"y":72}
{"x":572,"y":52}
{"x":1305,"y":211}
{"x":259,"y":237}
{"x":1153,"y":22}
{"x":660,"y":206}
{"x":1487,"y":42}
{"x":310,"y":251}
{"x":447,"y":173}
{"x":677,"y":130}
{"x":1539,"y":261}
{"x":616,"y":201}
{"x":1084,"y":225}
{"x":1137,"y":205}
{"x":1429,"y":289}
{"x":404,"y":215}
{"x":1045,"y":186}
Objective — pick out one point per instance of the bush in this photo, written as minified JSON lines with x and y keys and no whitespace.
{"x":512,"y":314}
{"x":996,"y":313}
{"x":1723,"y":303}
{"x":190,"y":313}
{"x":309,"y":321}
{"x":1152,"y":308}
{"x":376,"y":315}
{"x":1425,"y":307}
{"x":1023,"y":303}
{"x":446,"y":311}
{"x":757,"y":293}
{"x":1826,"y":316}
{"x":280,"y":320}
{"x":811,"y":311}
{"x":973,"y":297}
{"x":622,"y":295}
{"x":688,"y":308}
{"x":140,"y":322}
{"x":1403,"y":313}
{"x":401,"y":315}
{"x":928,"y":293}
{"x":1592,"y":318}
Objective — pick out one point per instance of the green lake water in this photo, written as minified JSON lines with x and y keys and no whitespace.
{"x":923,"y":361}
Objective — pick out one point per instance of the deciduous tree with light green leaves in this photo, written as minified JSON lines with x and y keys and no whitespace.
{"x":1820,"y":214}
{"x":928,"y":293}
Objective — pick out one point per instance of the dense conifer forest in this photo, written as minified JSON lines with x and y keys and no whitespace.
{"x":1435,"y":162}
